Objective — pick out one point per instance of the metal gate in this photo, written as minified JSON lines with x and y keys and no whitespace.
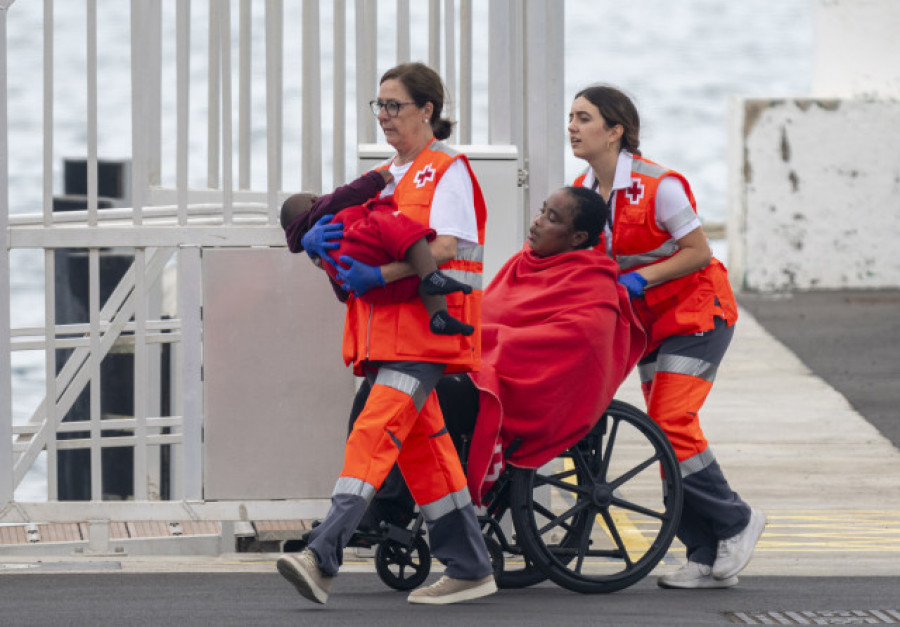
{"x":163,"y":227}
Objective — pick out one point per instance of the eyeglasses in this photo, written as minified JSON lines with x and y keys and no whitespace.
{"x":393,"y":107}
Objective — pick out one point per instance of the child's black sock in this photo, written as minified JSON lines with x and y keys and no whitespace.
{"x":443,"y":323}
{"x":439,"y":283}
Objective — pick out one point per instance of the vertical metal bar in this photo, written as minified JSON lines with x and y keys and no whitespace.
{"x":96,"y":449}
{"x":544,"y":67}
{"x":403,"y":47}
{"x":434,"y":35}
{"x":465,"y":72}
{"x":366,"y":64}
{"x":556,"y":107}
{"x":503,"y":107}
{"x":152,"y":79}
{"x":183,"y":67}
{"x":450,"y":60}
{"x":189,"y":477}
{"x":519,"y":90}
{"x":140,"y":476}
{"x":92,"y":112}
{"x":506,"y":81}
{"x":213,"y":103}
{"x":52,"y":390}
{"x":146,"y":119}
{"x":6,"y":452}
{"x":94,"y":362}
{"x":48,"y":115}
{"x":227,"y":119}
{"x":139,"y":140}
{"x":189,"y":460}
{"x":176,"y":462}
{"x":245,"y":91}
{"x":153,"y":384}
{"x":339,"y":103}
{"x":311,"y":124}
{"x":274,"y":102}
{"x":189,"y":302}
{"x":49,"y":256}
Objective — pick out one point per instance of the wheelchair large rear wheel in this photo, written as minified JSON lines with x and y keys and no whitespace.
{"x":599,"y":517}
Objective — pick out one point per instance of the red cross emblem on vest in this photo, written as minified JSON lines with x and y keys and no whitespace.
{"x":424,"y":175}
{"x":635,"y":192}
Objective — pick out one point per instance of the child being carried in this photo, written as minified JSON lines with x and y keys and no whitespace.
{"x":376,"y":233}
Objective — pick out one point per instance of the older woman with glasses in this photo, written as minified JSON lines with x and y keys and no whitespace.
{"x":392,"y":346}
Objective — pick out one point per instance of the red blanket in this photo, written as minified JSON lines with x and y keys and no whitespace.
{"x":558,"y":338}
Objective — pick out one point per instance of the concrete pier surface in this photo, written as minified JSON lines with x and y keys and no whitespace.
{"x":849,"y":338}
{"x":793,"y":445}
{"x":788,"y":441}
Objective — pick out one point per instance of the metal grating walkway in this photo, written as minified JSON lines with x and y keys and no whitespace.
{"x":808,"y":617}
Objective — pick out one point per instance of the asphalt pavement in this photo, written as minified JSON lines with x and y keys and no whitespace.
{"x":849,"y":338}
{"x":264,"y":599}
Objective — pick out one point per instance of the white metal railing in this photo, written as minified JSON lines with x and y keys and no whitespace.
{"x":173,"y":225}
{"x":7,"y":484}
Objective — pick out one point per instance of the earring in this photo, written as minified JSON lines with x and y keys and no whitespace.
{"x":425,"y":120}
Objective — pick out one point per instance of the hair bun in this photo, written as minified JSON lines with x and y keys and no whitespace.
{"x":442,"y":128}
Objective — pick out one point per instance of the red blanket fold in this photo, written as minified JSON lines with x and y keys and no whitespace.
{"x":558,"y":338}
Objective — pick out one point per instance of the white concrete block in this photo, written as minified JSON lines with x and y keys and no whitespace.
{"x":817,"y":198}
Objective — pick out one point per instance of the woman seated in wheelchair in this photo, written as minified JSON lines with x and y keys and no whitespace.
{"x":558,"y":339}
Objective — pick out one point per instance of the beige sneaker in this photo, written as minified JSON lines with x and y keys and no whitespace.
{"x":448,"y":590}
{"x":303,"y":572}
{"x":694,"y":575}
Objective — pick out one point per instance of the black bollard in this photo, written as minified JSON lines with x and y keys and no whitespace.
{"x":117,"y":368}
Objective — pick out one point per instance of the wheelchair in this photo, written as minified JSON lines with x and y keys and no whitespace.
{"x":595,"y":519}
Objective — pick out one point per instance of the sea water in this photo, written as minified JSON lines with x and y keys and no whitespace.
{"x":682,"y":62}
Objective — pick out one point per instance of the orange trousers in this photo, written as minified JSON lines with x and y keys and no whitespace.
{"x":392,"y":429}
{"x":676,"y":379}
{"x":674,"y":401}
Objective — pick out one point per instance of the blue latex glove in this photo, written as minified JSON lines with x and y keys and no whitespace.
{"x":358,"y":277}
{"x":634,"y":283}
{"x":320,"y":238}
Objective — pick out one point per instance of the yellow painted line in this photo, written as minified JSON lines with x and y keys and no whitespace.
{"x":838,"y":512}
{"x":857,"y":529}
{"x":831,"y":548}
{"x":843,"y":531}
{"x":852,"y":518}
{"x":873,"y":540}
{"x":884,"y":534}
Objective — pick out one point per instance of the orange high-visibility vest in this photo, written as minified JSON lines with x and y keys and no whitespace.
{"x":400,"y":332}
{"x":682,"y":306}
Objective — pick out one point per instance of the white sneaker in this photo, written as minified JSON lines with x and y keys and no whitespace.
{"x":448,"y":590}
{"x":694,"y":575}
{"x":303,"y":572}
{"x":735,"y":552}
